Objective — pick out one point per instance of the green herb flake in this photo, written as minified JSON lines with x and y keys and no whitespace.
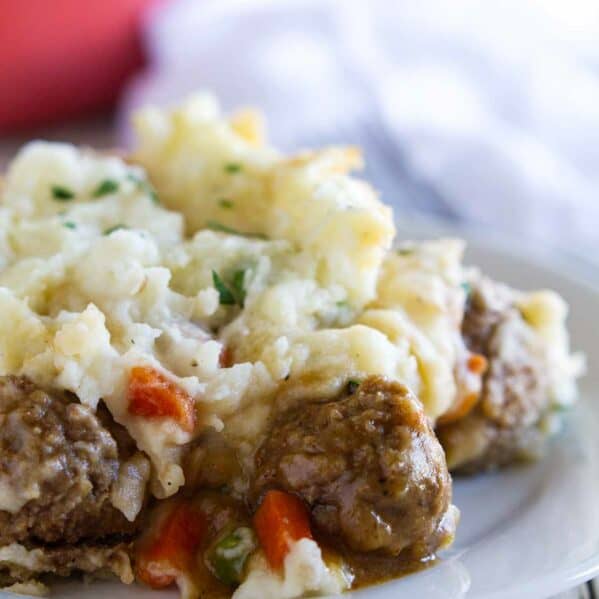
{"x":233,"y":167}
{"x":352,"y":386}
{"x":342,"y":304}
{"x":139,"y":180}
{"x":134,"y":178}
{"x":226,"y":297}
{"x":238,"y":286}
{"x":114,"y":228}
{"x":106,"y":187}
{"x":405,"y":251}
{"x":61,"y":193}
{"x":69,"y":225}
{"x":145,"y":186}
{"x":226,"y":204}
{"x":467,"y":288}
{"x":216,"y":226}
{"x":232,"y":293}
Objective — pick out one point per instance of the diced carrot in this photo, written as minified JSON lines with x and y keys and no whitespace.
{"x":477,"y":364}
{"x":460,"y":409}
{"x":280,"y":520}
{"x":152,"y":395}
{"x":170,"y":551}
{"x":226,"y":357}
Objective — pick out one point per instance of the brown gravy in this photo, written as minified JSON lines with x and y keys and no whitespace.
{"x":370,"y":569}
{"x":366,"y":568}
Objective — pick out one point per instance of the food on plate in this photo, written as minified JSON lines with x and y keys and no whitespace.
{"x":368,"y":467}
{"x":59,"y":466}
{"x":219,"y":371}
{"x":526,"y":370}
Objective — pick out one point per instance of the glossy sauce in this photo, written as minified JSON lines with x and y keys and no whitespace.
{"x":370,"y":568}
{"x":366,"y":568}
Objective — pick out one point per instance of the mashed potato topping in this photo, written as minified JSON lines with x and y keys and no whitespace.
{"x":238,"y":274}
{"x":304,"y":572}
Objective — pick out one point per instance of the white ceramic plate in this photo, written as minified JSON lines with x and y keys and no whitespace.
{"x":526,"y":533}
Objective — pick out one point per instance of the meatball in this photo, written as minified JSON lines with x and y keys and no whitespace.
{"x":57,"y":467}
{"x":368,"y":466}
{"x":504,"y":425}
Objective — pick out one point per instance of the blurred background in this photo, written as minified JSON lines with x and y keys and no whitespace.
{"x":475,"y":112}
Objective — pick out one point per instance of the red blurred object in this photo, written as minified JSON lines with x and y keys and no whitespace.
{"x":65,"y":58}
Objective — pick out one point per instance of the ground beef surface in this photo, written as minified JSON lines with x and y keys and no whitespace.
{"x":66,"y":560}
{"x":368,"y":466}
{"x":55,"y":454}
{"x":504,"y":425}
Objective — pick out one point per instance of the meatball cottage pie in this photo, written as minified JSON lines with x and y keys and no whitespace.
{"x":219,"y":371}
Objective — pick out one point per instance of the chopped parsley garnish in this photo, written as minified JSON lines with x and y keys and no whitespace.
{"x":238,"y":288}
{"x":105,"y":187}
{"x":225,"y":295}
{"x":224,"y":203}
{"x":352,"y":386}
{"x":114,"y":228}
{"x":134,"y":177}
{"x":69,"y":225}
{"x":342,"y":304}
{"x":233,"y":167}
{"x":216,"y":226}
{"x":61,"y":193}
{"x":405,"y":251}
{"x":467,"y":288}
{"x":145,"y":186}
{"x":232,"y":293}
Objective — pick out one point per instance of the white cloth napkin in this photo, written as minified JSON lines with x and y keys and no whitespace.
{"x":488,"y":110}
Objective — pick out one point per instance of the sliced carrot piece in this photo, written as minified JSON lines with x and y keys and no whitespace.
{"x":153,"y":395}
{"x":477,"y":364}
{"x":169,"y":551}
{"x":280,"y":520}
